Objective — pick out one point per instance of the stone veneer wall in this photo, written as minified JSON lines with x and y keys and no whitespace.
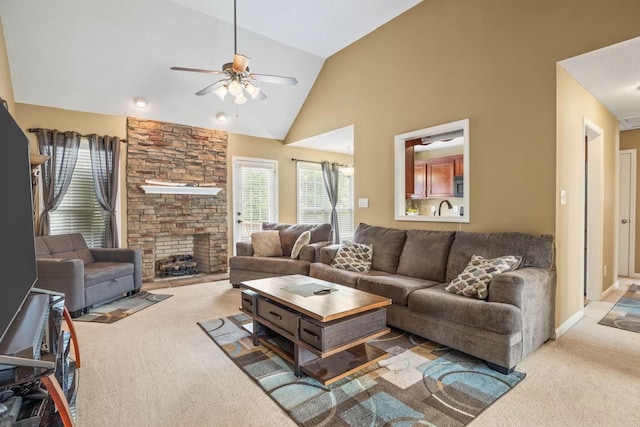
{"x":177,"y":153}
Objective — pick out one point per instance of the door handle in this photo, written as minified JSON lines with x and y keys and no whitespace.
{"x":624,"y":221}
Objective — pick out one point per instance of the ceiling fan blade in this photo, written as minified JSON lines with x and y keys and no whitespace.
{"x":267,"y":78}
{"x":209,"y":88}
{"x":197,"y":70}
{"x":261,"y":96}
{"x":240,"y":63}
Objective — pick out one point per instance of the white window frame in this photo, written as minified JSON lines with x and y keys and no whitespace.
{"x":89,"y":231}
{"x":345,"y":233}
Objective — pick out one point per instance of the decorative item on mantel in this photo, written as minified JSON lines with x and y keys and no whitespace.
{"x":162,"y":187}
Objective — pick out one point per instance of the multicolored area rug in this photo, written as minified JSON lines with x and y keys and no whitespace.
{"x":420,"y":383}
{"x":121,"y":308}
{"x":626,"y":313}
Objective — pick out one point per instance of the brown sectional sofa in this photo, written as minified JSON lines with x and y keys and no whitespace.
{"x":412,"y":267}
{"x":245,"y":266}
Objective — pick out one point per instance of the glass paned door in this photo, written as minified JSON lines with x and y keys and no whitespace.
{"x":254,"y":195}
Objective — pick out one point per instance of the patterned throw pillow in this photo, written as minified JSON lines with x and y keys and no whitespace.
{"x":474,"y":280}
{"x":353,"y":257}
{"x":302,"y":240}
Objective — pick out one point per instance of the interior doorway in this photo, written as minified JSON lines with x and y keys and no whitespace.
{"x":594,"y":211}
{"x":627,"y":214}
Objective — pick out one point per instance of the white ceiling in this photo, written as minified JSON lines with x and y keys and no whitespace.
{"x":612,"y":75}
{"x":96,"y":55}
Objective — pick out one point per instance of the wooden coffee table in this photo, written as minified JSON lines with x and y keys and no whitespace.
{"x":320,"y":327}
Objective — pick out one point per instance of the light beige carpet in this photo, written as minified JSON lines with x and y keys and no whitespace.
{"x":157,"y":368}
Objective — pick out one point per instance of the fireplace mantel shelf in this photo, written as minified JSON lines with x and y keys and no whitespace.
{"x":165,"y":189}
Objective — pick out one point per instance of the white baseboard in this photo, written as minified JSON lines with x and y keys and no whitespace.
{"x":568,"y":324}
{"x":610,"y":290}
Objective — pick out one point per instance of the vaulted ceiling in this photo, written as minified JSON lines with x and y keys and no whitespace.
{"x":96,"y":56}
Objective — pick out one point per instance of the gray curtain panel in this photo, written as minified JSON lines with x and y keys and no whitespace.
{"x":105,"y":164}
{"x":57,"y":171}
{"x":330,"y":173}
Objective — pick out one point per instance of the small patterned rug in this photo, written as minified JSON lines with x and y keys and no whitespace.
{"x":420,"y":383}
{"x":626,"y":313}
{"x":119,"y":309}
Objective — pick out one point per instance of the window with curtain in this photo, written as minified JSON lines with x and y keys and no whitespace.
{"x":313,"y":202}
{"x":79,"y":210}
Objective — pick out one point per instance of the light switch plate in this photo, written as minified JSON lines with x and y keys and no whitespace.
{"x":563,"y":197}
{"x":363,"y":203}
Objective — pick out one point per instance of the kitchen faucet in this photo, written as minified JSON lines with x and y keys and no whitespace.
{"x":440,"y":207}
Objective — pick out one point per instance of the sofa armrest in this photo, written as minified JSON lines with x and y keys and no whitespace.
{"x":311,"y":252}
{"x":533,"y":290}
{"x":63,"y":275}
{"x":327,"y":253}
{"x":244,"y":249}
{"x":133,"y":256}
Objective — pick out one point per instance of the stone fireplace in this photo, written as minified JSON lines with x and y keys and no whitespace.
{"x":162,"y":225}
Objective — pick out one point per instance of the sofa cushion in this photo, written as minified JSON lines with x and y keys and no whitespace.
{"x":99,"y":272}
{"x":387,"y":245}
{"x":535,"y":250}
{"x":424,"y":254}
{"x":302,"y":240}
{"x":474,"y":280}
{"x":343,"y":277}
{"x":64,"y":246}
{"x":353,"y":257}
{"x":438,"y":303}
{"x":277,"y":265}
{"x":289,"y":233}
{"x":393,"y":286}
{"x":266,"y":243}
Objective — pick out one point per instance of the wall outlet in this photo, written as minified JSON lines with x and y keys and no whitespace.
{"x":433,"y":210}
{"x":455,"y":209}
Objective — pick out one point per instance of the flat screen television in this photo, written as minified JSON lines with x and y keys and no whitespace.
{"x":18,"y":272}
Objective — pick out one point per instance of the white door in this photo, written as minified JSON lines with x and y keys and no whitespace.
{"x":626,"y":216}
{"x":255,"y":196}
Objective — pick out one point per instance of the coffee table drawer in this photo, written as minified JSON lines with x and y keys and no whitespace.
{"x":249,"y":300}
{"x":325,"y":336}
{"x":278,"y":315}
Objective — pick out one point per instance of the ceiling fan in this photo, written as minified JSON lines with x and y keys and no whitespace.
{"x":237,"y":78}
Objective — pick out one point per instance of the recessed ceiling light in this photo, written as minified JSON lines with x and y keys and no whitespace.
{"x":139,"y":102}
{"x":221,"y":117}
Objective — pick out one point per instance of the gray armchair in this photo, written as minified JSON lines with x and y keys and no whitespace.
{"x":86,"y":276}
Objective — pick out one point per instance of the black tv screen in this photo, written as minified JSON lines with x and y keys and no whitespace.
{"x":18,"y":271}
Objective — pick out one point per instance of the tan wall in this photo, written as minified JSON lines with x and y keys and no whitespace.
{"x":630,"y":140}
{"x":574,"y":105}
{"x":492,"y":61}
{"x":6,"y":89}
{"x":261,"y":148}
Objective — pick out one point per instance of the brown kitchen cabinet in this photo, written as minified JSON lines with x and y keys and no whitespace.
{"x":458,"y":165}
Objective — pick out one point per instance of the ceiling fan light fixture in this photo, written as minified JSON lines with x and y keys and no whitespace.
{"x":235,"y":88}
{"x":252,"y":90}
{"x":221,"y":92}
{"x":240,"y":63}
{"x":240,"y":99}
